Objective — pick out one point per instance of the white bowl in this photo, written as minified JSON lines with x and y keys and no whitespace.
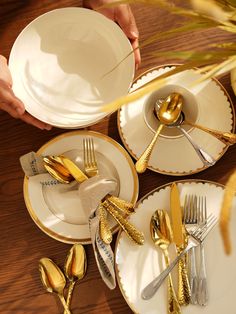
{"x":61,"y":66}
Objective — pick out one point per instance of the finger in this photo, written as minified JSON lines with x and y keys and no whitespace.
{"x":26,"y":117}
{"x":9,"y":102}
{"x":137,"y":56}
{"x":125,"y":18}
{"x":5,"y":74}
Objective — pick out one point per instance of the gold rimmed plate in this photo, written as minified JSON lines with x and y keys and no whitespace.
{"x":55,"y":207}
{"x":137,"y":266}
{"x":174,"y":155}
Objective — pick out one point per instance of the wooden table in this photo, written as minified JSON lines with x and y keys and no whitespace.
{"x":22,"y":242}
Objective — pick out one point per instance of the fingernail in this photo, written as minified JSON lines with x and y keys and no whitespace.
{"x":48,"y":127}
{"x":134,"y":34}
{"x":136,"y":66}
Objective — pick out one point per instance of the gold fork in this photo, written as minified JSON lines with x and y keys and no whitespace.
{"x":91,"y":169}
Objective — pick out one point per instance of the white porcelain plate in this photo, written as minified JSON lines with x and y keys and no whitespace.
{"x":60,"y":61}
{"x":212,"y":108}
{"x":55,"y":207}
{"x":136,"y":266}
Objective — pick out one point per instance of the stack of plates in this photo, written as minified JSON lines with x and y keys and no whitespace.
{"x":61,"y":66}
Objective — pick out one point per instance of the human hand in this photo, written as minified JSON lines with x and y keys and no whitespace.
{"x":10,"y":103}
{"x":122,"y":15}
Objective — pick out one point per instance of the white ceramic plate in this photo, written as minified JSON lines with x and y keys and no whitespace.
{"x":136,"y":265}
{"x":56,"y":208}
{"x":212,"y":107}
{"x":59,"y":61}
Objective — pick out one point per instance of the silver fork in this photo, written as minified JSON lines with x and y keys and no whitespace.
{"x":196,"y":236}
{"x":202,"y":294}
{"x":191,"y":221}
{"x":91,"y":169}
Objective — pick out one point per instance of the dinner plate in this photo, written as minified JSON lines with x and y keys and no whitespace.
{"x":136,"y":266}
{"x":56,"y":207}
{"x":174,"y":155}
{"x":61,"y":66}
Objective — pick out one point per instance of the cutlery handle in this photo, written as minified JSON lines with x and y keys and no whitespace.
{"x":225,"y":137}
{"x":149,"y":291}
{"x":104,"y":228}
{"x":173,"y":304}
{"x":122,"y":205}
{"x":69,"y":295}
{"x":67,"y":310}
{"x":193,"y":276}
{"x":129,"y":229}
{"x":203,"y":295}
{"x":204,"y":156}
{"x":142,"y":163}
{"x":183,"y":286}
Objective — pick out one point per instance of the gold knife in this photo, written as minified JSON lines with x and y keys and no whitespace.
{"x":180,"y":240}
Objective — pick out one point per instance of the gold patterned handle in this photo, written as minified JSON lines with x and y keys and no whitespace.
{"x":129,"y":229}
{"x":142,"y":163}
{"x":69,"y":295}
{"x":173,"y":304}
{"x":104,"y":228}
{"x":225,"y":137}
{"x":122,"y":205}
{"x":184,"y":292}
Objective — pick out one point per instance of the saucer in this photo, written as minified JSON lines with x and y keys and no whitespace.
{"x":55,"y":207}
{"x":136,"y":266}
{"x":61,"y":66}
{"x":175,"y":156}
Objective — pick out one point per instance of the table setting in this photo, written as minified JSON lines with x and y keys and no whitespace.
{"x":122,"y":211}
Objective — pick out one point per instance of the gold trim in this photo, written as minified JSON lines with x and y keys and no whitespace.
{"x":132,"y":306}
{"x":170,"y":172}
{"x":108,"y":139}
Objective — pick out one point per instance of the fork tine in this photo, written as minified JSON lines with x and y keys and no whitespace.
{"x":185,"y":208}
{"x":84,"y":151}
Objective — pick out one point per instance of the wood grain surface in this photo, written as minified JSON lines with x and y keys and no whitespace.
{"x":22,"y":243}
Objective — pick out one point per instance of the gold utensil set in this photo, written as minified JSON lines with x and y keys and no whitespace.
{"x":54,"y":280}
{"x":65,"y":170}
{"x":186,"y":226}
{"x":186,"y":229}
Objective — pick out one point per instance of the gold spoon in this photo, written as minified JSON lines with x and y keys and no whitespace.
{"x":75,"y":268}
{"x":227,"y":138}
{"x":168,"y":113}
{"x":56,"y":169}
{"x":53,"y":279}
{"x":161,"y":233}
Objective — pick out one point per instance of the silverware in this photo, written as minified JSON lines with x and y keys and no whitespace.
{"x":108,"y":203}
{"x":53,"y":279}
{"x":191,"y":221}
{"x":202,"y":294}
{"x":206,"y":158}
{"x":195,"y":238}
{"x":168,"y":113}
{"x":75,"y":268}
{"x":180,"y":239}
{"x":162,"y":236}
{"x":91,"y":169}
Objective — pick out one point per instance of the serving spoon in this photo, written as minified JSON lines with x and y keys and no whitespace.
{"x":168,"y":113}
{"x":162,"y":236}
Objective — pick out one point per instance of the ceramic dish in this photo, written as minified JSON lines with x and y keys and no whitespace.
{"x":60,"y":64}
{"x":137,"y":266}
{"x":209,"y":105}
{"x":56,"y":208}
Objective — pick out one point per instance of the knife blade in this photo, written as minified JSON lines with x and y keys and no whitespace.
{"x":73,"y":169}
{"x":176,"y":215}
